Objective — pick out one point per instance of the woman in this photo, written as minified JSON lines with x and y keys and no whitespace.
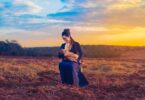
{"x":71,"y":55}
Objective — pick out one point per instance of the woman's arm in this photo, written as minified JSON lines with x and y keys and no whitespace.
{"x":71,"y":56}
{"x":60,"y":53}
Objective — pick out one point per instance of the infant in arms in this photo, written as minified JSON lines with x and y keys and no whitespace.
{"x":69,"y":55}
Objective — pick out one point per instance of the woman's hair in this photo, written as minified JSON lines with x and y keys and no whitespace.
{"x":66,"y":32}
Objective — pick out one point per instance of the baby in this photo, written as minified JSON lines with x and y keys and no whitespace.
{"x":69,"y":55}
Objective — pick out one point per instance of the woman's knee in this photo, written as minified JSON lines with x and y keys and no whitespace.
{"x":60,"y":65}
{"x":76,"y":65}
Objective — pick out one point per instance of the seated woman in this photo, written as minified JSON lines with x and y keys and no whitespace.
{"x":71,"y":55}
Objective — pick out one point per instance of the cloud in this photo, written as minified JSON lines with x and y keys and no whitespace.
{"x":20,"y":7}
{"x":69,"y":1}
{"x":46,"y":20}
{"x":20,"y":34}
{"x":77,"y":12}
{"x":126,"y":4}
{"x":28,"y":7}
{"x":69,"y":16}
{"x":130,"y":17}
{"x":88,"y":29}
{"x":27,"y":14}
{"x":83,"y":17}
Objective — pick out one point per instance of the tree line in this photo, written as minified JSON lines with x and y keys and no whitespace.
{"x":13,"y":48}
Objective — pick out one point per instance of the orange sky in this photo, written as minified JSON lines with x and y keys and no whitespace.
{"x":92,"y":22}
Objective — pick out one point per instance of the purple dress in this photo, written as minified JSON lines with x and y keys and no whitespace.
{"x":70,"y":72}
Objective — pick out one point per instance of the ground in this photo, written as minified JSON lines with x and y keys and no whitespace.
{"x":31,"y":78}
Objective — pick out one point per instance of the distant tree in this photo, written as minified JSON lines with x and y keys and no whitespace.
{"x":10,"y":48}
{"x":13,"y":48}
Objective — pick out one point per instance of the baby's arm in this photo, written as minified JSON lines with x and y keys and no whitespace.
{"x":71,"y":54}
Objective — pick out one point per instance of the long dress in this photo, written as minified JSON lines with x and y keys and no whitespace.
{"x":70,"y":72}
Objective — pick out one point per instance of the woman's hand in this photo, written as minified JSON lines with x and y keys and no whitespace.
{"x":71,"y":56}
{"x":63,"y":51}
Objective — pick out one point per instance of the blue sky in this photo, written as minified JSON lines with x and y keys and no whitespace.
{"x":40,"y":22}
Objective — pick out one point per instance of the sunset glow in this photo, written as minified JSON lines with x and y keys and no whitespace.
{"x":92,"y":22}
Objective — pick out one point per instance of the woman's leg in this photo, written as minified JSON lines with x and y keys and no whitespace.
{"x":82,"y":79}
{"x":66,"y":72}
{"x":76,"y":68}
{"x":62,"y":72}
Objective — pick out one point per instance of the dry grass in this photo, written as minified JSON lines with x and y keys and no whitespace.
{"x":38,"y":79}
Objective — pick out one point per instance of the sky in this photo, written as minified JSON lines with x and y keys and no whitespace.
{"x":92,"y":22}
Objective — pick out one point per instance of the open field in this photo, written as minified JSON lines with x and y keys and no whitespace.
{"x":111,"y":78}
{"x":28,"y":78}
